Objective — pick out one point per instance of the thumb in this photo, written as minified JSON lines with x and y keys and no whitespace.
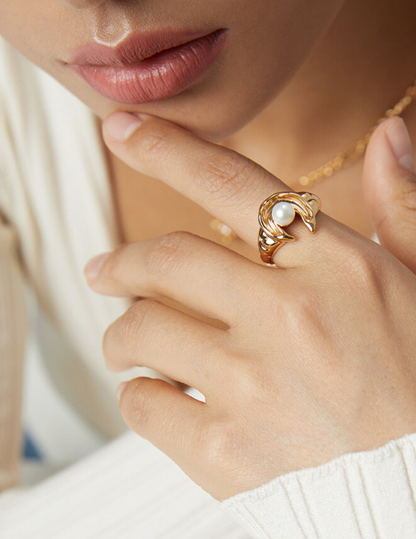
{"x":389,"y":188}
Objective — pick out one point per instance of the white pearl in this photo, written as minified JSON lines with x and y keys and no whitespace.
{"x":283,"y":213}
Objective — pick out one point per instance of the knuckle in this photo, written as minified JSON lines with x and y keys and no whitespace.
{"x":225,"y":450}
{"x":218,"y":444}
{"x":166,"y":253}
{"x":115,"y":263}
{"x":296,"y":305}
{"x":363,"y":266}
{"x":155,"y":142}
{"x":244,"y":376}
{"x":253,"y":381}
{"x":227,"y":176}
{"x":300,"y":307}
{"x":135,"y":326}
{"x":136,"y":408}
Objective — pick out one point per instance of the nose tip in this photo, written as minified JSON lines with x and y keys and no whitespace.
{"x":81,"y":4}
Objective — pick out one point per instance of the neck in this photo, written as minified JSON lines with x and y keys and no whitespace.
{"x":359,"y":69}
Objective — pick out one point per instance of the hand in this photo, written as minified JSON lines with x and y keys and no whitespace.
{"x":319,"y":357}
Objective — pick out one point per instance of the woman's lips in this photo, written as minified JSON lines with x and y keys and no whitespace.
{"x":123,"y":75}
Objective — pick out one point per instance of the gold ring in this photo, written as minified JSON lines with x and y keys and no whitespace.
{"x":279,"y":210}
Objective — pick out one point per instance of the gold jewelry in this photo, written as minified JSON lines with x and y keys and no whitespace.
{"x":356,"y":150}
{"x":348,"y":156}
{"x":227,"y":235}
{"x":279,"y":210}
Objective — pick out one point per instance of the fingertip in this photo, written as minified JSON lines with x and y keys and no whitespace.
{"x":400,"y":142}
{"x":120,"y":125}
{"x":389,"y":154}
{"x":93,"y":266}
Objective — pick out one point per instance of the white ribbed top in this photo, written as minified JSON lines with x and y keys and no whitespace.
{"x":370,"y":494}
{"x":56,"y":213}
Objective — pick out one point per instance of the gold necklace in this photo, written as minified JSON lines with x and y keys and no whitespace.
{"x":350,"y":155}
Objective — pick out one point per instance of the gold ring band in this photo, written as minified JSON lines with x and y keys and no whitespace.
{"x":279,"y":210}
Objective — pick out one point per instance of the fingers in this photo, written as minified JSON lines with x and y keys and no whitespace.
{"x":171,"y":420}
{"x":225,"y":183}
{"x":389,"y":187}
{"x":156,"y":336}
{"x":194,"y":271}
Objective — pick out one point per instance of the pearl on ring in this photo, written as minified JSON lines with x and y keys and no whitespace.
{"x":283,"y":213}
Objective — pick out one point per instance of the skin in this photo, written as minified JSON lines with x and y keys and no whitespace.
{"x":318,"y":356}
{"x":320,"y":387}
{"x":213,"y":107}
{"x":290,"y":135}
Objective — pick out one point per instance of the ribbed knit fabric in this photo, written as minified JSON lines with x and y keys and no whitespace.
{"x":127,"y":490}
{"x":365,"y":495}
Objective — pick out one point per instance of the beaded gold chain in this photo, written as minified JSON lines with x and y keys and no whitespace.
{"x":347,"y":157}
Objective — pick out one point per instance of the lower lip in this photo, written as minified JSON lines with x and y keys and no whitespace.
{"x":163,"y":75}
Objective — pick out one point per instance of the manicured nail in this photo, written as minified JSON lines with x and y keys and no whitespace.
{"x":121,"y":125}
{"x":92,"y":269}
{"x":399,"y":138}
{"x":120,"y":389}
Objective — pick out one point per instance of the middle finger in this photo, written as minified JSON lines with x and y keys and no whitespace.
{"x":201,"y":274}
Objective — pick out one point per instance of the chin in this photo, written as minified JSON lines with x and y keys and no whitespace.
{"x":206,"y":127}
{"x":214,"y":127}
{"x":214,"y":108}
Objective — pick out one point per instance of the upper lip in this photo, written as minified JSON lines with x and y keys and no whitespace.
{"x":134,"y":48}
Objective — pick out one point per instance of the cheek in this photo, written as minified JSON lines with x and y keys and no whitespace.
{"x":15,"y":25}
{"x":38,"y":30}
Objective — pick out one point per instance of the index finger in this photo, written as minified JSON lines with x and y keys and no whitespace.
{"x":228,"y":185}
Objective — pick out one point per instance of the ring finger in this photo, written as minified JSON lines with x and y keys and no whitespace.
{"x":156,"y":336}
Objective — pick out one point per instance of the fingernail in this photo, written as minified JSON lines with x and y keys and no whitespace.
{"x":399,"y":138}
{"x":92,"y":269}
{"x":120,"y":390}
{"x":121,"y":125}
